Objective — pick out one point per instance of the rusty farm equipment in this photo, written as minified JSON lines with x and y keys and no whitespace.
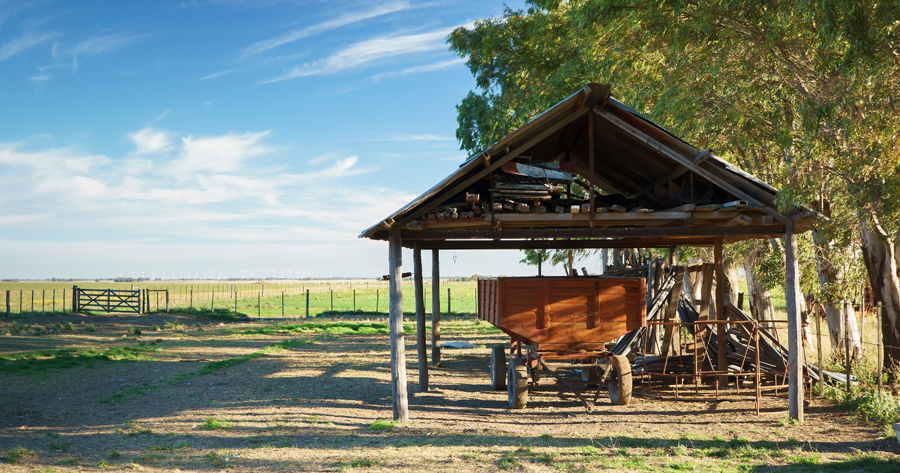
{"x":560,"y":327}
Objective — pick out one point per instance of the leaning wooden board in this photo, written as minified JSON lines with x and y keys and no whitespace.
{"x":562,"y":313}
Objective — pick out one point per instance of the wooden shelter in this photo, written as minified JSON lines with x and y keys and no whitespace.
{"x":587,"y":173}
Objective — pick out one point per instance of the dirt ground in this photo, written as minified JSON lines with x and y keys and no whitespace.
{"x":315,"y":407}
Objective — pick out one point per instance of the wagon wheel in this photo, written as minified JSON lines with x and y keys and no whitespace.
{"x":619,"y":382}
{"x":498,"y":368}
{"x":517,"y":384}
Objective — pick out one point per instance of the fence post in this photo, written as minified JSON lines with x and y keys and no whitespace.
{"x":847,"y":342}
{"x":878,"y":344}
{"x":819,"y":348}
{"x":167,"y":300}
{"x":235,"y":304}
{"x":307,"y":303}
{"x":448,"y":302}
{"x":212,"y":302}
{"x":376,"y":300}
{"x":64,"y":301}
{"x":20,"y":302}
{"x":74,"y":300}
{"x":7,"y":305}
{"x":43,"y":297}
{"x":282,"y":304}
{"x":32,"y":303}
{"x":258,"y":305}
{"x":54,"y":301}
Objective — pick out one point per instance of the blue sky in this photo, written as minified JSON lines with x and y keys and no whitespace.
{"x":224,"y":137}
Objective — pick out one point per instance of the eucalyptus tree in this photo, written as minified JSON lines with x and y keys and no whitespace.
{"x":801,"y":93}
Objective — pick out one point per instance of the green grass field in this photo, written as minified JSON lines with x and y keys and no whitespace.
{"x":251,"y":299}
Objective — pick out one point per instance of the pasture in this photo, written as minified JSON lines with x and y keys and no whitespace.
{"x":181,"y":393}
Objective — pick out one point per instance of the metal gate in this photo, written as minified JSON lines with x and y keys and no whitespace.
{"x":106,"y":300}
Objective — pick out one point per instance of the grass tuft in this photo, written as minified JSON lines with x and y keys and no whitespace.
{"x":17,"y":454}
{"x":215,"y":424}
{"x":382,"y":425}
{"x":44,"y":360}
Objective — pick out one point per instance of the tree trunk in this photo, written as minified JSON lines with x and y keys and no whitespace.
{"x":759,"y":295}
{"x":832,"y":274}
{"x":880,"y":256}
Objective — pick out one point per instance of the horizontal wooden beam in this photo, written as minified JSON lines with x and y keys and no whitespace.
{"x":560,"y":244}
{"x":750,"y":231}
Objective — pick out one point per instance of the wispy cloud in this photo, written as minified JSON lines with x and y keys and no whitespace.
{"x":220,"y":154}
{"x":100,"y":44}
{"x":366,"y":52}
{"x":24,"y":43}
{"x":150,"y":141}
{"x":437,"y":66}
{"x":422,"y":137}
{"x":216,"y":75}
{"x":345,"y":20}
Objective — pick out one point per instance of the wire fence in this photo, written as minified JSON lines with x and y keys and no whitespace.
{"x":253,"y":300}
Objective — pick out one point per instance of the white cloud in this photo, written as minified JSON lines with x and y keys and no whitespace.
{"x":149,"y":140}
{"x":421,"y":137}
{"x":216,"y":75}
{"x":372,"y":50}
{"x":437,"y":66}
{"x":225,"y":153}
{"x":100,"y":44}
{"x":349,"y":19}
{"x":24,"y":43}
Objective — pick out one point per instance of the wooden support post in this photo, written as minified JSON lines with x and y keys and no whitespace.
{"x":847,"y":343}
{"x":722,"y":364}
{"x":590,"y":125}
{"x":792,"y":299}
{"x":449,"y":303}
{"x":7,"y":306}
{"x":377,"y":301}
{"x":258,"y":305}
{"x":398,"y":346}
{"x":435,"y":308}
{"x":64,"y":302}
{"x":43,"y":297}
{"x":212,"y":302}
{"x":307,"y":303}
{"x":819,"y":349}
{"x":54,"y":301}
{"x":878,"y":341}
{"x":420,"y":317}
{"x":282,"y":304}
{"x":167,"y":300}
{"x":74,"y":299}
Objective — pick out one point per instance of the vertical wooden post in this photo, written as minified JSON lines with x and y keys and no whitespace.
{"x":282,"y":304}
{"x":258,"y":305}
{"x":420,"y":317}
{"x":819,"y":349}
{"x":43,"y":297}
{"x":792,"y":299}
{"x":332,"y":298}
{"x":376,"y":300}
{"x":167,"y":300}
{"x":307,"y":303}
{"x":7,"y":305}
{"x":435,"y":308}
{"x":449,"y":306}
{"x":720,"y":310}
{"x":591,"y":166}
{"x":235,"y":304}
{"x":32,"y":303}
{"x":878,"y":345}
{"x":398,"y":347}
{"x":847,"y":343}
{"x":212,"y":302}
{"x":54,"y":301}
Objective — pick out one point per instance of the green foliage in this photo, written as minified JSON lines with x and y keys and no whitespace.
{"x":865,"y":404}
{"x":17,"y":454}
{"x":381,"y":425}
{"x":44,"y":360}
{"x":215,"y":424}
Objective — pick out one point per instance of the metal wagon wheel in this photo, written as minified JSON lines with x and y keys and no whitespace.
{"x":498,"y":368}
{"x":619,"y":381}
{"x":517,"y":384}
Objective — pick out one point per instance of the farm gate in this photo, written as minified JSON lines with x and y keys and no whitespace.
{"x":106,"y":300}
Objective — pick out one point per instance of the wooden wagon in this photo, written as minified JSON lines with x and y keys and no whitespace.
{"x":561,"y":326}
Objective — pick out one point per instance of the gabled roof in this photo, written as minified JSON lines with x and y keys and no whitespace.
{"x":650,"y":187}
